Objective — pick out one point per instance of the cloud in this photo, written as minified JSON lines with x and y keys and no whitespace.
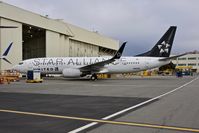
{"x":140,"y":22}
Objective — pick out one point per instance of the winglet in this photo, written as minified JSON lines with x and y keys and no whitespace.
{"x":120,"y":51}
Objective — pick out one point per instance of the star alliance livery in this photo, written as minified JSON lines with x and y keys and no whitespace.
{"x":74,"y":67}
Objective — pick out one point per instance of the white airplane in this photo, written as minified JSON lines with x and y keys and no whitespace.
{"x":73,"y":67}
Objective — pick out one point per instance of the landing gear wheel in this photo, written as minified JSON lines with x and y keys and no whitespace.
{"x":94,"y":77}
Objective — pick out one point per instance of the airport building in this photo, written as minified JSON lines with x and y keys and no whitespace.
{"x":40,"y":36}
{"x":189,"y":61}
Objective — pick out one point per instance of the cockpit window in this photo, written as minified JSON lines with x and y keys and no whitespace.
{"x":20,"y":63}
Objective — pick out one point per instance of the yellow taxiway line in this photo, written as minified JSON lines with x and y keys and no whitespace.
{"x":104,"y":121}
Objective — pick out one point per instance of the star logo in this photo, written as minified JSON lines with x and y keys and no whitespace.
{"x":164,"y":47}
{"x":118,"y":54}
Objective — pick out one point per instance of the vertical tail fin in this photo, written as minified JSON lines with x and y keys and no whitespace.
{"x":163,"y":46}
{"x":6,"y":53}
{"x":8,"y":49}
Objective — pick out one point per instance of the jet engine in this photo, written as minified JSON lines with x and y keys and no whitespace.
{"x":71,"y":73}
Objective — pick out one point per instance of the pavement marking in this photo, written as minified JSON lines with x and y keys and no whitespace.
{"x":103,"y":85}
{"x":94,"y":85}
{"x":132,"y":107}
{"x":105,"y":121}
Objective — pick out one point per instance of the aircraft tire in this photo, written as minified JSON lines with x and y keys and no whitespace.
{"x":94,"y":77}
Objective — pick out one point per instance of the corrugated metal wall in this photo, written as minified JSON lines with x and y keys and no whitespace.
{"x":77,"y":48}
{"x":8,"y":36}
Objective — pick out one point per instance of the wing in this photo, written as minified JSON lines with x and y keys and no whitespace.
{"x":96,"y":67}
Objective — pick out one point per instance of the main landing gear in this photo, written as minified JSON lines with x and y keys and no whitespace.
{"x":94,"y":77}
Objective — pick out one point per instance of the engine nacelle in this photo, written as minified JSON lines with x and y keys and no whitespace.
{"x":71,"y":73}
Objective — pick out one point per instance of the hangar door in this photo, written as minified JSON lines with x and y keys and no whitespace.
{"x":34,"y":42}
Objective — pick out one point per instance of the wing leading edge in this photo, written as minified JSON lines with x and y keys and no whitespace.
{"x":96,"y":67}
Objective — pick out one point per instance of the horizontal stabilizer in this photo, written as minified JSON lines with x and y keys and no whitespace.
{"x":172,"y":57}
{"x":6,"y":60}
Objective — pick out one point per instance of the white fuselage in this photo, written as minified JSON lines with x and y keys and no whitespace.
{"x":56,"y":65}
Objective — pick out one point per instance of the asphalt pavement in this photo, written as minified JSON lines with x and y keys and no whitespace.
{"x":175,"y":105}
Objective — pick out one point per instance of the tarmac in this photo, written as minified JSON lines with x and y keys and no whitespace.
{"x":156,"y":104}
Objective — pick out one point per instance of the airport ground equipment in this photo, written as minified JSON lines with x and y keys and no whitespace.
{"x":8,"y":76}
{"x":34,"y":76}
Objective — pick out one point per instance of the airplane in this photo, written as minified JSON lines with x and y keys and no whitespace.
{"x":76,"y":67}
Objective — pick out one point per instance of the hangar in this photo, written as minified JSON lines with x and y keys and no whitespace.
{"x":41,"y":36}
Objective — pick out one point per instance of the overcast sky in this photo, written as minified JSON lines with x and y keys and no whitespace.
{"x":140,"y":22}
